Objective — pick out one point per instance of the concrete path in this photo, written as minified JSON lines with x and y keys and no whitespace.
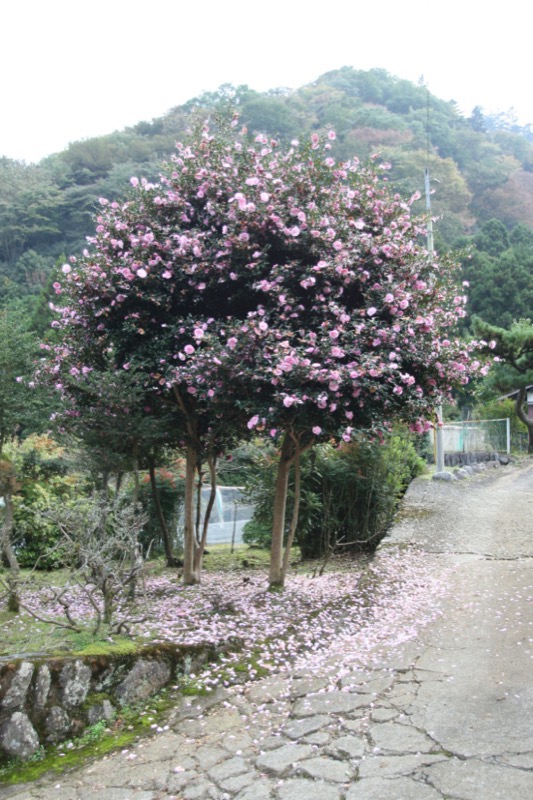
{"x":447,"y":716}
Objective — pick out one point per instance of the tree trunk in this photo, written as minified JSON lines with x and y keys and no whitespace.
{"x":200,"y":545}
{"x":280,"y":504}
{"x":167,"y":541}
{"x":13,"y":602}
{"x":295,"y":513}
{"x":521,"y":414}
{"x":189,"y":536}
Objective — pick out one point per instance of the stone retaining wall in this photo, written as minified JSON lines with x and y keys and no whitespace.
{"x":467,"y":464}
{"x":47,"y":700}
{"x":462,"y":459}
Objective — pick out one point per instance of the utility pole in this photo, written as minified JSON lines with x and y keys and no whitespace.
{"x":439,"y":443}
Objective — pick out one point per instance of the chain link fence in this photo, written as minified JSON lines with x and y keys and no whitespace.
{"x":477,"y":436}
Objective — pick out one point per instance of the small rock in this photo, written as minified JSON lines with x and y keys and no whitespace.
{"x":101,"y":711}
{"x":443,"y":476}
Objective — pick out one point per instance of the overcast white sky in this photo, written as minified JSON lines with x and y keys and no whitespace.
{"x":71,"y":70}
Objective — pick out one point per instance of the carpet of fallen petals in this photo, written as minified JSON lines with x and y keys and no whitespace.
{"x":382,"y":602}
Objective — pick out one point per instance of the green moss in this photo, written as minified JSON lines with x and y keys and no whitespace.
{"x":117,"y":647}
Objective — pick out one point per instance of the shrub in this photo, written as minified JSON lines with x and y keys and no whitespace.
{"x":349,"y":495}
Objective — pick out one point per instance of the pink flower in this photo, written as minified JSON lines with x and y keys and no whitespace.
{"x":252,"y":422}
{"x":66,"y":268}
{"x":332,"y":135}
{"x":317,"y":430}
{"x":141,"y":273}
{"x":371,"y":311}
{"x":189,"y":349}
{"x":166,"y":274}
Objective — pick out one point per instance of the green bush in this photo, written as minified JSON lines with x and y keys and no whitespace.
{"x":348,"y":497}
{"x":44,"y":484}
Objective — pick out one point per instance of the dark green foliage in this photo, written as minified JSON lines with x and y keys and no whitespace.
{"x":348,"y":497}
{"x":513,"y":352}
{"x":171,"y":490}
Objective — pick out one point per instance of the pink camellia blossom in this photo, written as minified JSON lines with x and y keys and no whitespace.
{"x":66,"y":268}
{"x":317,"y":430}
{"x":134,"y":182}
{"x":332,"y":135}
{"x":232,"y":343}
{"x":198,"y":333}
{"x":288,"y":401}
{"x":167,"y":274}
{"x":141,"y":273}
{"x":252,"y":423}
{"x":371,"y":311}
{"x":189,"y":349}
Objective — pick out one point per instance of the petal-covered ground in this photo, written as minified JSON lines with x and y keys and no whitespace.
{"x":347,"y":612}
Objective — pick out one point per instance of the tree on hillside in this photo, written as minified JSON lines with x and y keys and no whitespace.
{"x":499,"y":271}
{"x":260,"y":288}
{"x":513,"y":352}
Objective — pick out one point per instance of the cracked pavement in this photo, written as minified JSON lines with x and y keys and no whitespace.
{"x":447,"y":716}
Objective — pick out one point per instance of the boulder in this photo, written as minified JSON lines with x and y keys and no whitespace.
{"x":75,"y":679}
{"x":57,"y":724}
{"x":18,"y":737}
{"x":144,"y":679}
{"x":15,"y":697}
{"x":42,"y":688}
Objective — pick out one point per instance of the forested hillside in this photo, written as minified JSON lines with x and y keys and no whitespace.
{"x":481,"y":170}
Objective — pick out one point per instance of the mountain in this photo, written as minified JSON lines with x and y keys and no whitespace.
{"x":481,"y":170}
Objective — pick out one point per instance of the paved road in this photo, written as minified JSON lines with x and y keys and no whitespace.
{"x":447,"y":716}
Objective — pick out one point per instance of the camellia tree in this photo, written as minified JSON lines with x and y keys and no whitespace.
{"x":261,"y":289}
